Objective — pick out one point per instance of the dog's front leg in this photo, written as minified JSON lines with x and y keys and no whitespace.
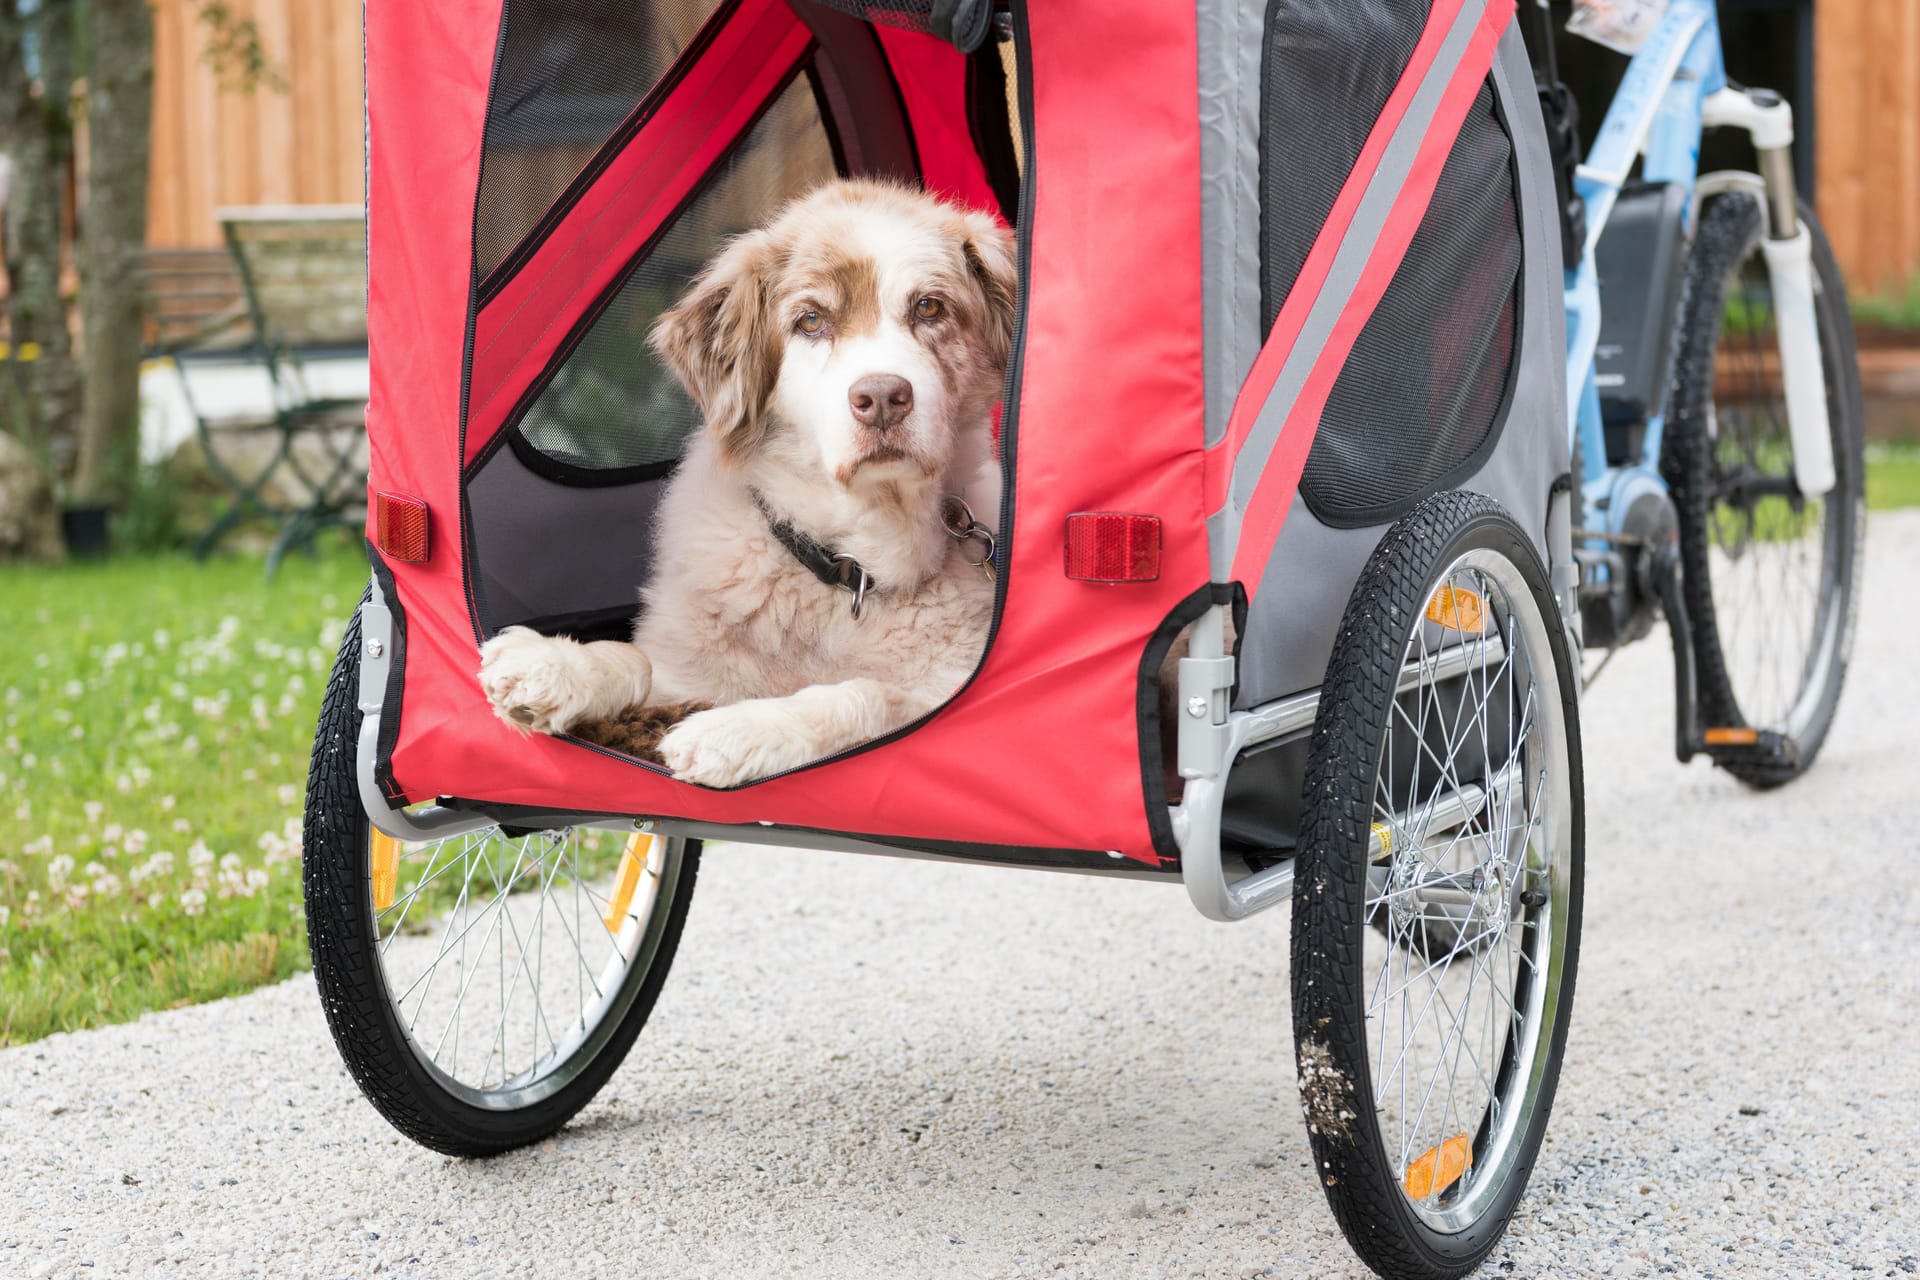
{"x":763,"y":736}
{"x":549,"y":684}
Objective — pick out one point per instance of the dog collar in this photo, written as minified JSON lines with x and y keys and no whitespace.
{"x":834,"y":568}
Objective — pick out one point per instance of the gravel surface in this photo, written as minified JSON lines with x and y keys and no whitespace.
{"x":868,"y":1067}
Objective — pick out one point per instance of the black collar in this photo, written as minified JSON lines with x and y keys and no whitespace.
{"x":823,"y":562}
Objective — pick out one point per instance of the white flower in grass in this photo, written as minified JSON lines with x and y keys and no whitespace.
{"x":6,"y":914}
{"x":181,"y":825}
{"x":29,"y":760}
{"x":199,"y":857}
{"x":288,"y":793}
{"x":57,"y":872}
{"x":193,"y":902}
{"x":161,"y":638}
{"x":141,"y":775}
{"x":166,"y":804}
{"x":106,"y":886}
{"x":123,"y":784}
{"x":136,"y":842}
{"x":177,"y":691}
{"x":23,"y":811}
{"x":249,"y":775}
{"x":78,"y":734}
{"x":93,"y":870}
{"x":155,"y":899}
{"x":93,"y":809}
{"x":112,"y":831}
{"x":256,"y":880}
{"x":76,"y":897}
{"x":73,"y":688}
{"x":38,"y":848}
{"x":229,"y":862}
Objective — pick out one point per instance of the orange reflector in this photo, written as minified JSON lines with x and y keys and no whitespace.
{"x":1727,"y":737}
{"x":1113,"y":546}
{"x":384,"y":864}
{"x":400,"y":526}
{"x":1440,"y":1168}
{"x":632,"y":862}
{"x":1457,"y":609}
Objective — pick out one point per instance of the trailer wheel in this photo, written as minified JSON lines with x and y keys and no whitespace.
{"x":1436,"y":906}
{"x":483,"y":987}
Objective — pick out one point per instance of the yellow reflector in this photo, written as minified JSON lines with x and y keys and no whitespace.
{"x":1732,"y":737}
{"x":1457,"y":609}
{"x":384,"y":861}
{"x":632,"y":862}
{"x":1440,"y":1167}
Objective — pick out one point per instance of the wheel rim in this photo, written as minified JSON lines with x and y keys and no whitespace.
{"x":1771,"y":556}
{"x":511,"y":959}
{"x":1468,"y":893}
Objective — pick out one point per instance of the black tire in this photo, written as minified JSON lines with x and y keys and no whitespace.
{"x":1363,"y":853}
{"x":398,"y":1076}
{"x":1767,"y":654}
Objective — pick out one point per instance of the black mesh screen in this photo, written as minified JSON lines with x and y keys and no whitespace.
{"x":1425,"y":387}
{"x":570,"y":71}
{"x":612,"y":405}
{"x":1330,"y":66}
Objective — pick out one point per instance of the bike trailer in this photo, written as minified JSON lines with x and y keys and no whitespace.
{"x":1284,"y":275}
{"x":1289,"y":378}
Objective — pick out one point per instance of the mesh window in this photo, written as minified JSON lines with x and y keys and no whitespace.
{"x":1423,"y":393}
{"x":1330,"y":66}
{"x":570,"y":72}
{"x":612,"y":406}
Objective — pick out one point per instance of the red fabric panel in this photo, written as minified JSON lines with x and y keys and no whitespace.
{"x":1267,"y":509}
{"x":522,"y":327}
{"x":933,"y":83}
{"x":1042,"y":749}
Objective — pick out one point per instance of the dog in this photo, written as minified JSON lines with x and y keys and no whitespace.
{"x":823,"y":567}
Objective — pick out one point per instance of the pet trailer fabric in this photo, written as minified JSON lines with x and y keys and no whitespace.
{"x":1286,"y":266}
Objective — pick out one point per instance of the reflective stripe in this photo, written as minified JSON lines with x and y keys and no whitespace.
{"x":1253,"y":473}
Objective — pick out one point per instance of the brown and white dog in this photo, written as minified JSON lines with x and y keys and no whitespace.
{"x":846,"y":358}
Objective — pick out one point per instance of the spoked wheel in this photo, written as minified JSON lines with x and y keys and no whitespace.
{"x":1436,"y":907}
{"x":482,"y":987}
{"x":1771,"y":575}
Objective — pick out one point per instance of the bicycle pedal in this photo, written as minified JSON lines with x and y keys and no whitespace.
{"x":1744,"y":745}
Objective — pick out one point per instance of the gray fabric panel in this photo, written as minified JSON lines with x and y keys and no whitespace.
{"x":542,"y":549}
{"x":1230,"y":34}
{"x":1356,"y":249}
{"x":1292,"y":623}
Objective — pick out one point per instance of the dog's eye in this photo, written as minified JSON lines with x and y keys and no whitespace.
{"x":810,"y":323}
{"x":929,"y":308}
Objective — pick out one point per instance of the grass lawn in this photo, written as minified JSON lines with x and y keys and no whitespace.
{"x":1893,"y":476}
{"x":156,"y":716}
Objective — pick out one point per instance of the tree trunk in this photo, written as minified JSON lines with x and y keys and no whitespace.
{"x":112,"y":235}
{"x":37,"y":400}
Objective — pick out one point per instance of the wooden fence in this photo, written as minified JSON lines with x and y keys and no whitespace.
{"x":302,"y":144}
{"x":294,"y":143}
{"x":1867,"y":136}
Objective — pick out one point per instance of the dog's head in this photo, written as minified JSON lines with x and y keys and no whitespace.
{"x":862,"y":333}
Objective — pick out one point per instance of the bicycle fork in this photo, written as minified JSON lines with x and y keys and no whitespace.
{"x":1788,"y":248}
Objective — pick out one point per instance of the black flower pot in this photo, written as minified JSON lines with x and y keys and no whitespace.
{"x":86,"y":531}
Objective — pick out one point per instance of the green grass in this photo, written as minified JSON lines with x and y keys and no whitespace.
{"x":1895,"y":309}
{"x":1893,"y":475}
{"x":155,"y":719}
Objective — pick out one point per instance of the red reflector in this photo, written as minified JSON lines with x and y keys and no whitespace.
{"x":1113,"y":546}
{"x":400,"y":526}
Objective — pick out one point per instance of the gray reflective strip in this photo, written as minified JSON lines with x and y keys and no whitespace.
{"x":1230,"y":43}
{"x":1356,"y":250}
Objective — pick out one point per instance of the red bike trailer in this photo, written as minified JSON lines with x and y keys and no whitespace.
{"x":1288,"y":271}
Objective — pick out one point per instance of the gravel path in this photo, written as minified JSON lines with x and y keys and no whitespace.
{"x":864,"y":1067}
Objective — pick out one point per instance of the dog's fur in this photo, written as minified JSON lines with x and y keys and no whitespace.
{"x":731,"y":617}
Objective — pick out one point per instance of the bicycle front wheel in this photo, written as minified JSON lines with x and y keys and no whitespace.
{"x":1771,"y":575}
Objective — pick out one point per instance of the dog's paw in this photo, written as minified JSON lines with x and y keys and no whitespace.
{"x":541,"y":684}
{"x":731,"y":745}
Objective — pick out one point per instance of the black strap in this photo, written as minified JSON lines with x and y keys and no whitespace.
{"x":822,"y":561}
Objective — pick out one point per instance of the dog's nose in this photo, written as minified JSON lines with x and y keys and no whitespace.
{"x":881,"y":400}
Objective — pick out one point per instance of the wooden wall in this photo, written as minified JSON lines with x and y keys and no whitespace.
{"x":1867,"y":136}
{"x":213,"y":146}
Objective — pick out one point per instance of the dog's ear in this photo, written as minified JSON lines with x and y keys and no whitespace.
{"x":720,"y":342}
{"x":990,"y":256}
